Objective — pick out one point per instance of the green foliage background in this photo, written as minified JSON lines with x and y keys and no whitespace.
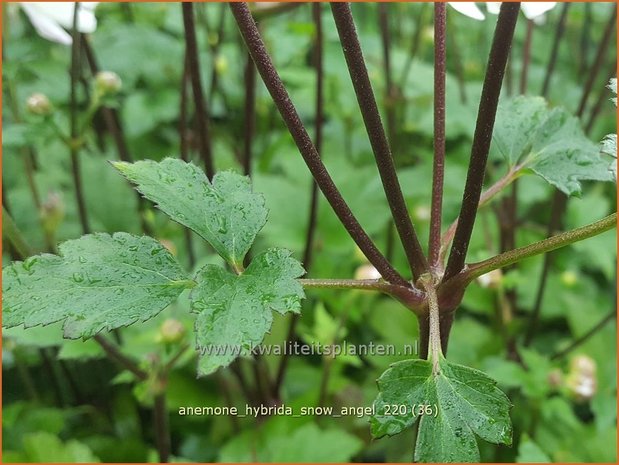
{"x":96,"y":413}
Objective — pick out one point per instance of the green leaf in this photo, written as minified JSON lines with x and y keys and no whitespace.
{"x":549,"y":142}
{"x":226,"y":213}
{"x":530,"y":452}
{"x":464,"y":402}
{"x":306,"y":444}
{"x":234,"y":312}
{"x":45,"y":447}
{"x":99,"y":282}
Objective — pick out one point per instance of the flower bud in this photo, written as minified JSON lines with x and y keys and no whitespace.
{"x":569,"y":278}
{"x":39,"y":104}
{"x":221,"y":64}
{"x":52,"y":212}
{"x":171,"y":331}
{"x":107,"y":82}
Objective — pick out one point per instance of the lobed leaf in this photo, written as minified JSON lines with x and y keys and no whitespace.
{"x":225,"y":212}
{"x":98,"y":282}
{"x":235,"y":312}
{"x":469,"y":403}
{"x":549,"y":142}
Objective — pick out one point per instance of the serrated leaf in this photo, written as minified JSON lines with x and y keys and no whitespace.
{"x":98,"y":282}
{"x":612,"y":86}
{"x":465,"y":403}
{"x":226,"y":212}
{"x":235,"y":311}
{"x":549,"y":142}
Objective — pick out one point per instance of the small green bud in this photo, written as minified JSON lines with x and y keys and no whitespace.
{"x":39,"y":104}
{"x":107,"y":83}
{"x":171,"y":331}
{"x":221,"y":64}
{"x":569,"y":278}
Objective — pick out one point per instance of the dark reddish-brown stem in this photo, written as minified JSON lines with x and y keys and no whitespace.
{"x":114,"y":353}
{"x":318,"y":63}
{"x":74,"y":126}
{"x":378,"y":139}
{"x":491,"y":90}
{"x":250,"y":110}
{"x":198,"y":95}
{"x":162,"y":428}
{"x":526,"y":57}
{"x":313,"y":213}
{"x":272,"y":81}
{"x":598,"y":62}
{"x":440,"y":56}
{"x":184,"y":148}
{"x":555,"y":49}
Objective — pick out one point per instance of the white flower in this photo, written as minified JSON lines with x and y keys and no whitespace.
{"x":532,"y":10}
{"x":49,"y":19}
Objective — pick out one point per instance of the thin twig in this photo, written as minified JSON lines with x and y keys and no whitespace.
{"x":603,"y":99}
{"x":378,"y":139}
{"x":162,"y":427}
{"x":559,"y":200}
{"x":555,"y":49}
{"x":438,"y":170}
{"x":585,"y":337}
{"x":114,"y":353}
{"x":537,"y":248}
{"x":491,"y":90}
{"x":558,"y":206}
{"x":250,"y":113}
{"x":184,"y":149}
{"x":319,"y":117}
{"x":74,"y":124}
{"x":11,"y":232}
{"x":420,"y":20}
{"x":526,"y":56}
{"x":485,"y":198}
{"x":198,"y":95}
{"x":273,"y":83}
{"x":600,"y":57}
{"x":313,"y":211}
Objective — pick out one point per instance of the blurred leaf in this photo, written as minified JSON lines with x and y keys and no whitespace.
{"x":47,"y":448}
{"x":304,"y":445}
{"x":529,"y":452}
{"x":549,"y":142}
